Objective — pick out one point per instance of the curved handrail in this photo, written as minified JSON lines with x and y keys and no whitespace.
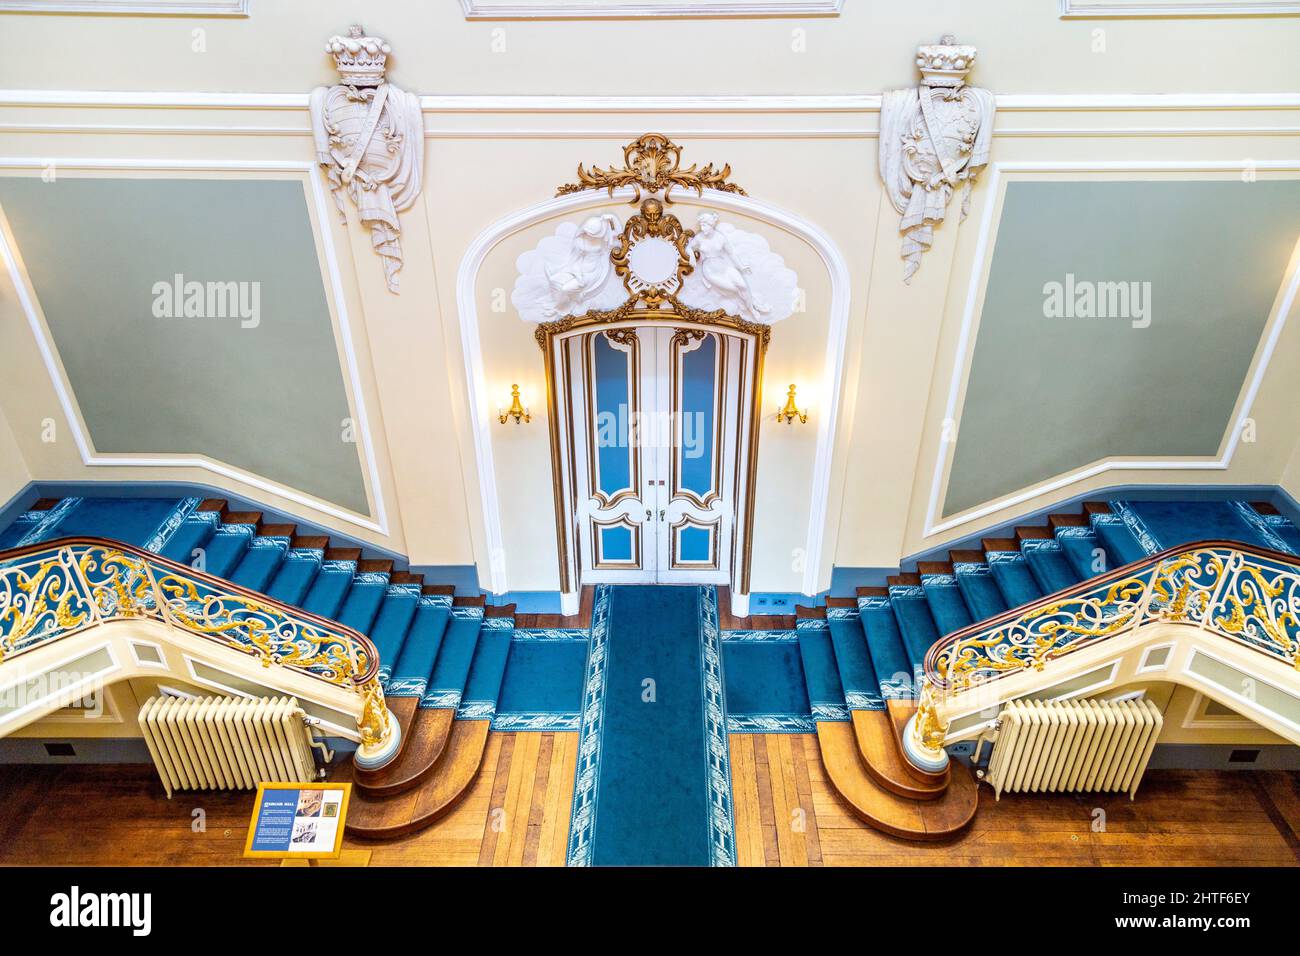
{"x":1222,"y":586}
{"x":94,"y":588}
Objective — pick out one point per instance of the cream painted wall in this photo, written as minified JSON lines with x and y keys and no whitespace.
{"x":865,"y":49}
{"x":13,"y":467}
{"x":810,"y":156}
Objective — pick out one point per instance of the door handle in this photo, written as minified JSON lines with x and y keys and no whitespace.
{"x":649,"y":515}
{"x":662,"y":512}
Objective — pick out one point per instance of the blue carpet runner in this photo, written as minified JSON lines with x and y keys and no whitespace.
{"x":653,"y":786}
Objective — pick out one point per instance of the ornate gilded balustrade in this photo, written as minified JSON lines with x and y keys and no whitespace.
{"x":1246,"y":594}
{"x":53,"y":590}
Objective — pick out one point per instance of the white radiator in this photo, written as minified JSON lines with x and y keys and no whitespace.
{"x":228,"y":743}
{"x":1076,"y":745}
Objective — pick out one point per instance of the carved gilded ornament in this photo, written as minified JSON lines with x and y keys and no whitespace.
{"x":653,"y":164}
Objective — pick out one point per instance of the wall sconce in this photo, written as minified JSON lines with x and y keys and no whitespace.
{"x":517,"y":411}
{"x":791,"y":410}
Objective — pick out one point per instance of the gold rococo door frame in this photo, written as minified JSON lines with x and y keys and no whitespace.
{"x":753,"y":339}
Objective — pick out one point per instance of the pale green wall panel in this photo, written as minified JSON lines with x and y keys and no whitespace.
{"x":1049,"y":395}
{"x":268,"y":399}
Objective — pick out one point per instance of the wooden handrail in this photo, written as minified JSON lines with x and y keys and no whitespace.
{"x":359,"y":640}
{"x":1152,"y":561}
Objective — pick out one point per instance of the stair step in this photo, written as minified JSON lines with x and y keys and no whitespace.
{"x":193,"y":534}
{"x":260,"y":562}
{"x":451,"y":669}
{"x":820,"y":668}
{"x":857,"y":674}
{"x":874,"y":731}
{"x":935,"y":819}
{"x":488,"y":670}
{"x":1048,"y":564}
{"x":226,"y":548}
{"x":889,"y":658}
{"x":295,"y":575}
{"x":1011,"y":572}
{"x":343,"y":554}
{"x":1084,"y":551}
{"x":915,"y":622}
{"x":406,"y":577}
{"x":391,"y":624}
{"x":947,"y":605}
{"x":981,"y":592}
{"x":414,"y":665}
{"x":361,"y":606}
{"x":331,"y":585}
{"x":1118,"y":539}
{"x":387,"y":818}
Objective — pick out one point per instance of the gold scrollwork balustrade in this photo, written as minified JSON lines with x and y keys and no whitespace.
{"x":52,"y":590}
{"x":1250,"y":595}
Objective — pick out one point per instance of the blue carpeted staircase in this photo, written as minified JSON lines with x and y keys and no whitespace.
{"x":426,"y":646}
{"x":867,"y":651}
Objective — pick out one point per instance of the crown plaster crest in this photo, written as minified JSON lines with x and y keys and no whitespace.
{"x":369,"y":138}
{"x":360,"y":60}
{"x":934,"y":139}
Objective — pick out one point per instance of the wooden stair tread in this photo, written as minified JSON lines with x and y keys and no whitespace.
{"x":425,"y":740}
{"x":1096,"y":508}
{"x":841,"y":602}
{"x":1034,"y":533}
{"x":1265,"y":508}
{"x":316,"y":542}
{"x":906,"y":579}
{"x":999,"y":544}
{"x":966,"y":556}
{"x":406,"y":577}
{"x":936,"y":819}
{"x":278,"y":530}
{"x":873,"y":592}
{"x":470,"y":600}
{"x":375,"y":566}
{"x":1068,"y":521}
{"x":343,"y":554}
{"x":386,"y":818}
{"x":885,"y":762}
{"x":448,"y":589}
{"x":934,"y":567}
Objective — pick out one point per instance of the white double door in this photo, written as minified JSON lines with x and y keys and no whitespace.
{"x":655,"y":454}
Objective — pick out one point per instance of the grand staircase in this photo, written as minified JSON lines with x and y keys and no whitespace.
{"x":442,"y":658}
{"x":862,"y":657}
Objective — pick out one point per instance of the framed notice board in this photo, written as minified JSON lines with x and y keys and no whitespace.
{"x":301,"y":821}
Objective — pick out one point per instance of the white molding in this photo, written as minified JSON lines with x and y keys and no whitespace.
{"x":159,"y":8}
{"x":613,"y":10}
{"x":1073,"y":9}
{"x":765,"y":103}
{"x":324,"y":217}
{"x":965,"y":346}
{"x":482,"y":409}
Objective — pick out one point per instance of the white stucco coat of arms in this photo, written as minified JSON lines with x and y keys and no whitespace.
{"x":369,"y":139}
{"x":934,"y":139}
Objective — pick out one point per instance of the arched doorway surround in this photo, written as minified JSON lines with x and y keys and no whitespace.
{"x":493,"y":562}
